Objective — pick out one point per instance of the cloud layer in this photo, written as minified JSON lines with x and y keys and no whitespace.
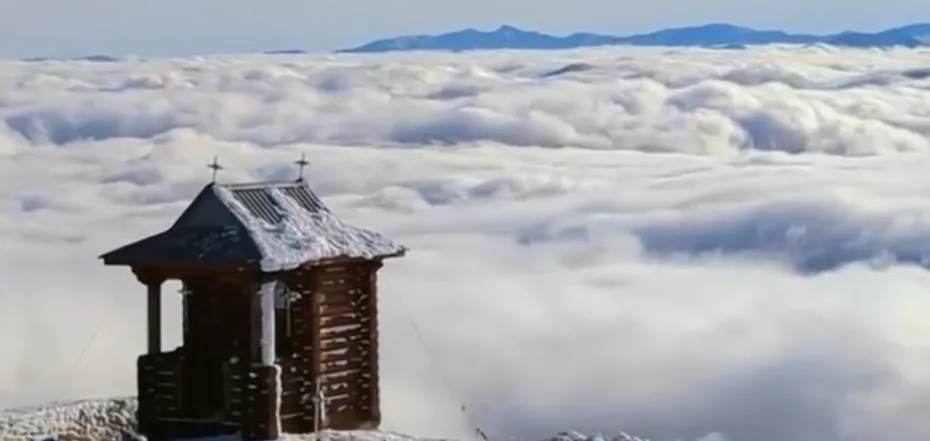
{"x":676,"y":244}
{"x":794,"y":100}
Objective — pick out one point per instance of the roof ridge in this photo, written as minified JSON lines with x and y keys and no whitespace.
{"x":263,"y":184}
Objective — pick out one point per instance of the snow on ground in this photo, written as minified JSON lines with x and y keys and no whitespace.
{"x":87,"y":420}
{"x":114,"y":420}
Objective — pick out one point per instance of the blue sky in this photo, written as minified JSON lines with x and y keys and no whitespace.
{"x":32,"y":28}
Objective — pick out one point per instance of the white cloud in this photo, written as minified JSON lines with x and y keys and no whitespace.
{"x":596,"y":250}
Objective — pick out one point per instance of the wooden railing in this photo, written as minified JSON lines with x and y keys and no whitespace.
{"x":159,"y":387}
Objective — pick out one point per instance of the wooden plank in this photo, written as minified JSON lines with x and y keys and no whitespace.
{"x":329,"y":365}
{"x":351,"y":332}
{"x":337,"y":310}
{"x":332,"y":371}
{"x":350,"y":340}
{"x":337,"y":344}
{"x":337,"y":325}
{"x":348,"y":273}
{"x":346,"y":282}
{"x":328,"y":281}
{"x":348,"y":400}
{"x":334,"y":269}
{"x":343,"y":365}
{"x":352,"y":352}
{"x":346,"y":290}
{"x":338,"y":388}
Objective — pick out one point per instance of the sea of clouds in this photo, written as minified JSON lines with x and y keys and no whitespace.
{"x":679,"y":244}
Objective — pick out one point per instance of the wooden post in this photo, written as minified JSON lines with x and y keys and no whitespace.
{"x":265,"y":423}
{"x":373,"y":349}
{"x":318,"y":406}
{"x":154,"y":316}
{"x":316,"y":304}
{"x":147,"y":408}
{"x":267,"y":341}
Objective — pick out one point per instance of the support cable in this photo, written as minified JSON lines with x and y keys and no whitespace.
{"x":69,"y":373}
{"x":469,"y":419}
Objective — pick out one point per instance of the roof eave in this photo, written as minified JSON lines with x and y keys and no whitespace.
{"x":400,"y":253}
{"x":178,"y":268}
{"x":345,"y":259}
{"x":108,"y":257}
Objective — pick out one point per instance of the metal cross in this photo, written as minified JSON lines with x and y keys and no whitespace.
{"x":215,"y":166}
{"x":301,"y":164}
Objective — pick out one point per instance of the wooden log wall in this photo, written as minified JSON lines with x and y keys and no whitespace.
{"x":333,"y":327}
{"x":345,"y":345}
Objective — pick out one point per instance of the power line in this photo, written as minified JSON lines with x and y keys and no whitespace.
{"x":69,"y":373}
{"x":437,"y":368}
{"x":111,"y":306}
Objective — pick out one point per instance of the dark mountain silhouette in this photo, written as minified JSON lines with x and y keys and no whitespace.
{"x":714,"y":34}
{"x":504,"y":37}
{"x":880,"y":39}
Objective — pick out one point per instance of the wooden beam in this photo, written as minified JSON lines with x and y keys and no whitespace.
{"x":153,"y":304}
{"x":316,"y":337}
{"x":374,"y":349}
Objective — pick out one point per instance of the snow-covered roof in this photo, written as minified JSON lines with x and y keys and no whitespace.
{"x":278,"y":225}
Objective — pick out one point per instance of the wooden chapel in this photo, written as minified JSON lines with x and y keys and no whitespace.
{"x":280,"y":314}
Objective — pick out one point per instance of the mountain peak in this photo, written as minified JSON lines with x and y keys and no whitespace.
{"x":506,"y":28}
{"x":722,"y":26}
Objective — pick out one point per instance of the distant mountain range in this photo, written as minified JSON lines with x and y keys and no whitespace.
{"x":709,"y":35}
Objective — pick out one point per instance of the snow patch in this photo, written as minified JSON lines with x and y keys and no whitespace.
{"x":86,"y":420}
{"x":303,"y":236}
{"x":267,"y":295}
{"x":114,"y":420}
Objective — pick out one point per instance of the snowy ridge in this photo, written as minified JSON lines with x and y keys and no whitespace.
{"x":303,"y":236}
{"x":114,"y":419}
